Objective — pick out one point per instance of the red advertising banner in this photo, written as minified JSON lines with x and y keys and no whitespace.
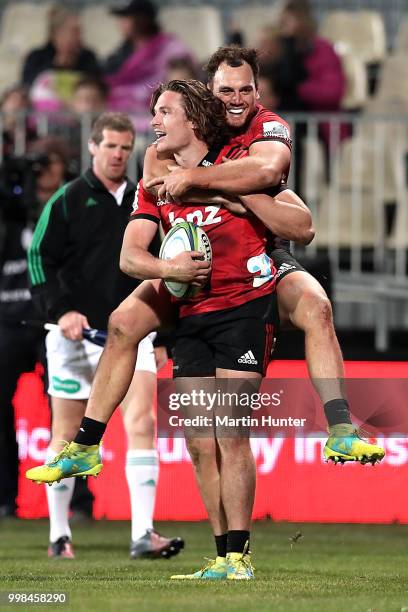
{"x":294,"y":483}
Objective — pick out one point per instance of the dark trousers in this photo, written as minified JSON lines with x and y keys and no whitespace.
{"x":20,"y":349}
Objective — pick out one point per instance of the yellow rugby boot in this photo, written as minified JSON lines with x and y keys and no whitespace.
{"x":346,"y":444}
{"x":239,"y":566}
{"x":74,"y":460}
{"x":215,"y":569}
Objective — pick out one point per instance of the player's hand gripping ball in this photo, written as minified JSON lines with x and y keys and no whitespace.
{"x":184,"y":236}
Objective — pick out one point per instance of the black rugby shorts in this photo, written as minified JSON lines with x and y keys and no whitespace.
{"x":238,"y":338}
{"x":284,"y":263}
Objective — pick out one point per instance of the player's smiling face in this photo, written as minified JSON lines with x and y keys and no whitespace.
{"x":173,"y":130}
{"x":235,"y":86}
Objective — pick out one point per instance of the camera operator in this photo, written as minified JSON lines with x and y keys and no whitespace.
{"x":26,"y":183}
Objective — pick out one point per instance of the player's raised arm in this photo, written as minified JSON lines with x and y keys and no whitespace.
{"x":264,"y":168}
{"x":155,"y":165}
{"x":158,"y":165}
{"x":285,"y":215}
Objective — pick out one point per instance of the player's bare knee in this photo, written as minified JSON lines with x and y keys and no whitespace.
{"x":322,"y":310}
{"x":122,"y":328}
{"x":200,"y":449}
{"x":315,"y":311}
{"x":233,"y":446}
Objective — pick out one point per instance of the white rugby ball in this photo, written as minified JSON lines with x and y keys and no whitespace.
{"x":184,"y":236}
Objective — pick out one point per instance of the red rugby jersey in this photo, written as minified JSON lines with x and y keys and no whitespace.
{"x":264,"y":125}
{"x":241,"y":269}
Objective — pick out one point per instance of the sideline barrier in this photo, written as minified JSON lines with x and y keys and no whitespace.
{"x":294,"y":483}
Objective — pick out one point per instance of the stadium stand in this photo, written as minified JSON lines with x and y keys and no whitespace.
{"x":356,"y":94}
{"x":182,"y":21}
{"x":10,"y":67}
{"x":250,"y":19}
{"x":399,"y":236}
{"x":359,"y":32}
{"x":106,"y":37}
{"x":401,"y":44}
{"x":313,"y":174}
{"x":369,"y":38}
{"x":393,"y":81}
{"x":368,"y":158}
{"x":24,"y":26}
{"x":336,"y":27}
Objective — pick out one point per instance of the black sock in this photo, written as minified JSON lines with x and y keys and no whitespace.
{"x":90,"y":432}
{"x":221,"y":544}
{"x":337,"y":411}
{"x":236,"y":541}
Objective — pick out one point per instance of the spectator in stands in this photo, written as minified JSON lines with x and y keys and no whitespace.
{"x":90,"y":100}
{"x":21,"y":348}
{"x":18,"y":130}
{"x":269,"y":44}
{"x":52,"y":70}
{"x":182,"y":69}
{"x":306,"y":66}
{"x":306,"y":73}
{"x":268,"y":94}
{"x":282,"y":65}
{"x":141,"y":61}
{"x":90,"y":96}
{"x":323,"y":84}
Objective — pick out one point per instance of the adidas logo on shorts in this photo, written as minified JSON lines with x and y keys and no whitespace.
{"x":249,"y":358}
{"x":285,"y":267}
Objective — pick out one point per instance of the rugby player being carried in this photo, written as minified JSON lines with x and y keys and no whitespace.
{"x":193,"y":121}
{"x":232,"y":76}
{"x":267,"y":143}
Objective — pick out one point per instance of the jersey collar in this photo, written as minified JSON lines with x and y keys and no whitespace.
{"x":210,"y":157}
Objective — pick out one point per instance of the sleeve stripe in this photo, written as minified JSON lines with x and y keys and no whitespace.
{"x":138,"y":215}
{"x":35,"y":265}
{"x":288,"y":142}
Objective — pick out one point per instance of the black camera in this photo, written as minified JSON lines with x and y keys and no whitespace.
{"x":18,"y":177}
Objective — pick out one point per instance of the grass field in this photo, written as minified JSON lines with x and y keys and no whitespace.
{"x":342,"y":568}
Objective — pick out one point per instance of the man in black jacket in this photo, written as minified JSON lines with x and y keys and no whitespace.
{"x":26,"y":184}
{"x":76,"y":281}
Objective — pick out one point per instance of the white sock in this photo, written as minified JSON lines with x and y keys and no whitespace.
{"x":59,"y":496}
{"x":142,"y":472}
